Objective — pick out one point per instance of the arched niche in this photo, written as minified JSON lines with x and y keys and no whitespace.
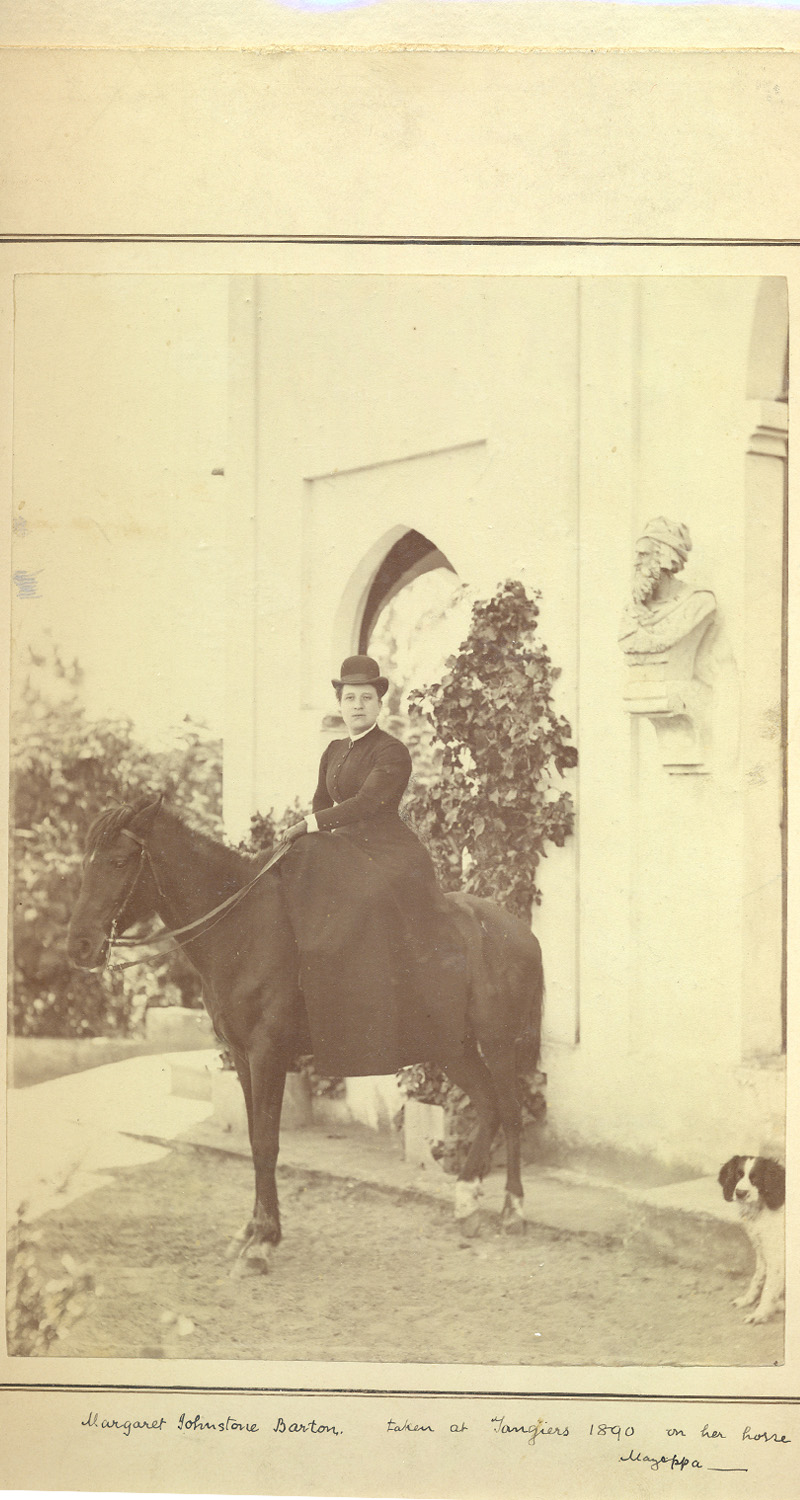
{"x":399,"y":555}
{"x":410,"y":556}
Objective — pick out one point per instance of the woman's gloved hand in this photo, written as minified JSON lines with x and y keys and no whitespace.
{"x":295,"y":832}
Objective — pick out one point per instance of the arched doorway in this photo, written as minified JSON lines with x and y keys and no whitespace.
{"x":411,"y":557}
{"x":412,"y":616}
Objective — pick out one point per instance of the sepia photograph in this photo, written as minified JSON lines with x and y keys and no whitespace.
{"x":398,"y":819}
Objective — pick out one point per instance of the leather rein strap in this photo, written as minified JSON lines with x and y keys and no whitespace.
{"x":206,"y":922}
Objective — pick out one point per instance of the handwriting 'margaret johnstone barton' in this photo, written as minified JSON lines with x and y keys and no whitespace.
{"x":312,"y":1426}
{"x":199,"y":1424}
{"x":127,"y":1425}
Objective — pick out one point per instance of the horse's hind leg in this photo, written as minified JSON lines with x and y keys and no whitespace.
{"x":502,"y":1064}
{"x":469,"y":1072}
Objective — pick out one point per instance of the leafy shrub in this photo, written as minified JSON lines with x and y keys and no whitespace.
{"x":496,"y":804}
{"x":487,"y":818}
{"x":39,"y":1307}
{"x":430,"y":1085}
{"x":65,"y":770}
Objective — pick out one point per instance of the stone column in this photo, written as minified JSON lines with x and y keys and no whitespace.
{"x":609,"y":335}
{"x":241,"y":501}
{"x":763,"y":721}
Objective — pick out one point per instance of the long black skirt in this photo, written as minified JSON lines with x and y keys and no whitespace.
{"x":383,"y":969}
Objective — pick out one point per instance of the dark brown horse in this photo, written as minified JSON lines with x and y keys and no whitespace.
{"x":142,"y":859}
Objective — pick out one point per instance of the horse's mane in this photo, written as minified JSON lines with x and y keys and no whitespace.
{"x":105,"y":827}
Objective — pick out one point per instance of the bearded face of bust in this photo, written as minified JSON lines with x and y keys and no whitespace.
{"x":652,"y":560}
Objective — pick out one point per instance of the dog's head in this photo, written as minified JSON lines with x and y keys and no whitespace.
{"x":752,"y":1181}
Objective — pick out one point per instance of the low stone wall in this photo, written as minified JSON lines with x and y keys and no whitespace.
{"x":35,"y":1059}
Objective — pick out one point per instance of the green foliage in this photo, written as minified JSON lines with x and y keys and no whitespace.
{"x":66,"y":769}
{"x":497,"y":802}
{"x":266,"y":829}
{"x":430,"y":1085}
{"x":40,"y":1308}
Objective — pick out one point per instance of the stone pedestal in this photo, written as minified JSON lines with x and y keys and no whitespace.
{"x":662,"y":688}
{"x":423,"y":1127}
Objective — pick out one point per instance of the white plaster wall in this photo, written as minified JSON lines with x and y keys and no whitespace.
{"x":556,"y":417}
{"x":446,"y":404}
{"x":120,"y":404}
{"x":589,"y":406}
{"x":665,"y":996}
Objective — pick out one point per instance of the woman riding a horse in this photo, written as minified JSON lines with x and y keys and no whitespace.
{"x":382,"y":959}
{"x":343,"y":941}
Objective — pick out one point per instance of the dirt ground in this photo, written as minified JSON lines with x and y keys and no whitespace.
{"x":367,"y":1275}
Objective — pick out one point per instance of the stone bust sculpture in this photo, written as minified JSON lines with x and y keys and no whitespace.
{"x":663,"y":610}
{"x":671,"y":640}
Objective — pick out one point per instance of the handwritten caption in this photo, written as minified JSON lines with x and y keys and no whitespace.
{"x":652,"y":1454}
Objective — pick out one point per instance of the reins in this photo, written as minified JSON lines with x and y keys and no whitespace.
{"x":206,"y":922}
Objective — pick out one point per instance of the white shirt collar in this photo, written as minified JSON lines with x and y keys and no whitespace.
{"x":363,"y":734}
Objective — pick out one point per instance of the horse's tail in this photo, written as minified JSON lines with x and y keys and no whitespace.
{"x":529,"y":1041}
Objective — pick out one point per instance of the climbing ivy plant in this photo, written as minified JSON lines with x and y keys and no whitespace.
{"x":499,"y":798}
{"x":503,"y":748}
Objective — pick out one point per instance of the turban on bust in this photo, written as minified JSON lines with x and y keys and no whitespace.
{"x":671,"y":533}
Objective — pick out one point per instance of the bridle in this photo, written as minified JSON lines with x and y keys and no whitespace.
{"x":206,"y":922}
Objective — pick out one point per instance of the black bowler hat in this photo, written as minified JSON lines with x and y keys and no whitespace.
{"x":361,"y":671}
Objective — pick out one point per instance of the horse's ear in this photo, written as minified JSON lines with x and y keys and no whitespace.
{"x":143,"y":814}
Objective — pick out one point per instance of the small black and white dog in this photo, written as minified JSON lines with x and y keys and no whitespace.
{"x":757,"y":1185}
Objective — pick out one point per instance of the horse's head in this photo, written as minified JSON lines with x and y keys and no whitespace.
{"x":117,"y":888}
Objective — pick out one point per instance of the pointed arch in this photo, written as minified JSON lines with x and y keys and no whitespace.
{"x":411,"y":556}
{"x":400,"y":555}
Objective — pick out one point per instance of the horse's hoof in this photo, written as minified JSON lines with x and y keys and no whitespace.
{"x":466,"y":1199}
{"x":256,"y":1260}
{"x":259,"y":1257}
{"x":236,"y":1246}
{"x":513,"y":1218}
{"x":514,"y":1226}
{"x":471,"y":1225}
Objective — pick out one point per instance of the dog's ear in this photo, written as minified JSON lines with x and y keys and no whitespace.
{"x":729,"y":1176}
{"x":770,"y":1179}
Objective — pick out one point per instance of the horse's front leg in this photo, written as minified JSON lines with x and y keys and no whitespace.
{"x":267,"y":1059}
{"x":243,"y":1236}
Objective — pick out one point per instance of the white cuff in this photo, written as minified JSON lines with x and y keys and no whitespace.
{"x":311,"y":823}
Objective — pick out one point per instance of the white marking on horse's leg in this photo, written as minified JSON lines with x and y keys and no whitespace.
{"x":259,"y":1256}
{"x":255,"y":1260}
{"x":513,"y":1215}
{"x":234,"y":1249}
{"x":466,"y":1198}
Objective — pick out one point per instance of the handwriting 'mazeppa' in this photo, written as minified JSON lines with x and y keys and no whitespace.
{"x":676,"y":1462}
